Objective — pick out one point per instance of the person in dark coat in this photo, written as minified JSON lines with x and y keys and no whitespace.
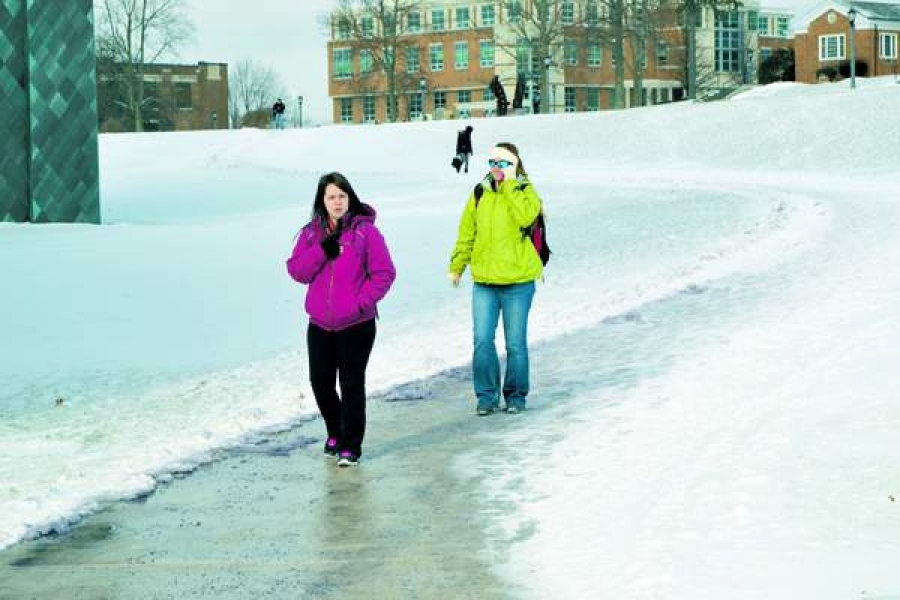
{"x":278,"y":114}
{"x":463,"y":148}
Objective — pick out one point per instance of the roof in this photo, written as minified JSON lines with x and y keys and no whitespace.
{"x":879,"y":11}
{"x":884,"y":15}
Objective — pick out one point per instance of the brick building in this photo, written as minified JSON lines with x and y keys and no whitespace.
{"x":822,"y":39}
{"x":177,"y":98}
{"x":448,"y":51}
{"x":773,"y":26}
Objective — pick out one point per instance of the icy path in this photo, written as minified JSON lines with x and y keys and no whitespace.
{"x":113,"y":437}
{"x":736,"y":440}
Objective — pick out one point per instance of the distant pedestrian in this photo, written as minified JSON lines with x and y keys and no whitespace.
{"x":463,"y":149}
{"x":504,"y":266}
{"x":344,"y":260}
{"x":278,"y":114}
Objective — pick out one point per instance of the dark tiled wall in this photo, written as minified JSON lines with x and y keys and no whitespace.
{"x":53,"y":141}
{"x":13,"y":112}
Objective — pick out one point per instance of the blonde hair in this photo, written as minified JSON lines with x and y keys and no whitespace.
{"x":520,"y":168}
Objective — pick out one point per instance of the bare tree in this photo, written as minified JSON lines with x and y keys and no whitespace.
{"x":376,"y":31}
{"x":134,"y":33}
{"x":538,"y":31}
{"x":646,"y":19}
{"x":252,"y":86}
{"x":691,"y":12}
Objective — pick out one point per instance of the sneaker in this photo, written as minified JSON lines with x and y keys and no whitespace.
{"x":514,"y":409}
{"x":331,"y":447}
{"x":483,"y":411}
{"x":348,"y":459}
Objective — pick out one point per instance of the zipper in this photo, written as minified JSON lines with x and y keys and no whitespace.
{"x":331,"y":295}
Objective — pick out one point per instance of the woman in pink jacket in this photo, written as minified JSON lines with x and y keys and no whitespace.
{"x":344,"y":260}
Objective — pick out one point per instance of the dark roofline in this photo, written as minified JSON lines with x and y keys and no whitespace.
{"x":188,"y":65}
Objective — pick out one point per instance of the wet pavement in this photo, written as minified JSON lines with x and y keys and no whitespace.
{"x":281,"y":520}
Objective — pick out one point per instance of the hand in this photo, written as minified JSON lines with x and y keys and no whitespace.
{"x":330,"y":246}
{"x":454,"y":278}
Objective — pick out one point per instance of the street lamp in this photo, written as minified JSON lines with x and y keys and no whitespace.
{"x":851,"y":16}
{"x":422,"y":85}
{"x":548,"y":62}
{"x":300,"y":110}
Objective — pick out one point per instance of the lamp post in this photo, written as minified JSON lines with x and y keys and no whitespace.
{"x":300,"y":111}
{"x":548,"y":62}
{"x":851,"y":16}
{"x":422,"y":85}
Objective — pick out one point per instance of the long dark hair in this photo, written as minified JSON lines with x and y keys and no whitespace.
{"x":354,"y":207}
{"x":520,"y":168}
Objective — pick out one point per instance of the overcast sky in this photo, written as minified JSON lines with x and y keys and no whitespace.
{"x":285,"y":35}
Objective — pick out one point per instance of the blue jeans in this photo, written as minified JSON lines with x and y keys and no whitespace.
{"x":488,"y":301}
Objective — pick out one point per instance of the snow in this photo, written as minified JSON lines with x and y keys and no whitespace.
{"x":723,"y":297}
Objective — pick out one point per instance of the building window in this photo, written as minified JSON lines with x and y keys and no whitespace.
{"x":440,"y":100}
{"x":342,"y":30}
{"x":593,"y":99}
{"x":415,"y":106}
{"x":464,"y":96}
{"x":461,"y":55}
{"x":343,"y":65}
{"x":489,"y":95}
{"x":571,"y":52}
{"x":592,"y":13}
{"x":487,"y":15}
{"x":346,"y":110}
{"x":662,"y":54}
{"x":523,"y":54}
{"x":183,"y":95}
{"x":514,"y":11}
{"x":414,"y":22}
{"x":436,"y":57}
{"x":762,"y":25}
{"x":414,"y":101}
{"x":151,"y":103}
{"x":728,"y":42}
{"x":568,"y":13}
{"x":752,"y":20}
{"x":888,"y":46}
{"x":437,"y":20}
{"x":462,"y":17}
{"x":570,"y":99}
{"x":365,"y":61}
{"x":369,"y":109}
{"x":831,"y":47}
{"x":389,"y":61}
{"x":412,"y":59}
{"x":782,"y":25}
{"x":367,"y":27}
{"x":595,"y":55}
{"x":486,"y":53}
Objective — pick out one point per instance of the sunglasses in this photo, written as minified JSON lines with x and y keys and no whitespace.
{"x":498,"y":164}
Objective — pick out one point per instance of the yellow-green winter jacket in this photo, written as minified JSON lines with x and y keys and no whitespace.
{"x":490,"y":237}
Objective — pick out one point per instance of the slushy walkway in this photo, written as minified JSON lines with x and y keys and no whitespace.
{"x":280,"y":520}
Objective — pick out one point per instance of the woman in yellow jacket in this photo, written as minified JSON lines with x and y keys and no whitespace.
{"x":504,"y":266}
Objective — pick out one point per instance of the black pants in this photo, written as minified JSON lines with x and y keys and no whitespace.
{"x":341,"y":355}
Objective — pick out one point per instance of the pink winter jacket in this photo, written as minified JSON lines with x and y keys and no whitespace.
{"x":344,"y":291}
